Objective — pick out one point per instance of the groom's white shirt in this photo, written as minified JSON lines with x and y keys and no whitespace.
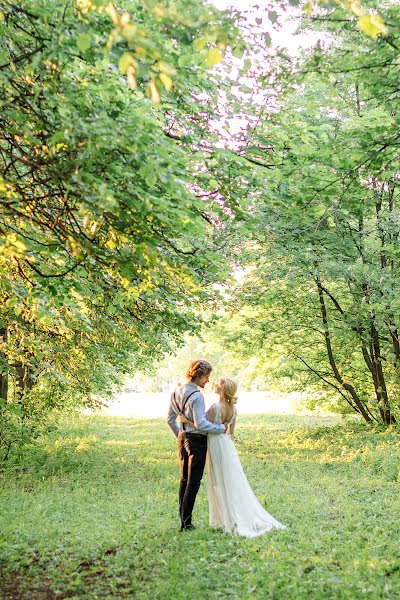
{"x":194,"y":410}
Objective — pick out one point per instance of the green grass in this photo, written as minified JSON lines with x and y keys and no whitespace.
{"x":92,"y":513}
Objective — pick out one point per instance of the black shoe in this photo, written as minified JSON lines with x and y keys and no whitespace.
{"x":187,"y":527}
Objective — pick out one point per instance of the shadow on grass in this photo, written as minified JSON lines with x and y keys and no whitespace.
{"x":117,"y":447}
{"x":91,"y":512}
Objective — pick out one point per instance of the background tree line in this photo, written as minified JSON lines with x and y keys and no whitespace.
{"x":323,"y":254}
{"x":125,"y":197}
{"x":108,"y":212}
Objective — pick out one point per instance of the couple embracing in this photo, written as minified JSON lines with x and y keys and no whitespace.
{"x":204,"y":439}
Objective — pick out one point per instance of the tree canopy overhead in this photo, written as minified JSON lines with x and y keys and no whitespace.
{"x":324,"y":252}
{"x":108,"y":203}
{"x":135,"y":172}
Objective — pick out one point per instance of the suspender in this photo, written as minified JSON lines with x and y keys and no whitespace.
{"x":184,"y":406}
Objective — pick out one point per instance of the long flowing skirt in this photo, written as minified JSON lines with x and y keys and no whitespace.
{"x":233,"y":506}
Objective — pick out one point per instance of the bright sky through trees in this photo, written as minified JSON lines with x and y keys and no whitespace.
{"x":260,"y":22}
{"x":283,"y":34}
{"x":147,"y":153}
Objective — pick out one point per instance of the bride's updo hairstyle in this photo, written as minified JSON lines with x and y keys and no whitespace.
{"x":227,"y":390}
{"x":197,"y":368}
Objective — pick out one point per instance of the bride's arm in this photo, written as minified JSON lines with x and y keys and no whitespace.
{"x":232,"y":422}
{"x":183,"y":419}
{"x":231,"y":427}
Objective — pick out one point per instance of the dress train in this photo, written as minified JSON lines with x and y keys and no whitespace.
{"x":233,"y":505}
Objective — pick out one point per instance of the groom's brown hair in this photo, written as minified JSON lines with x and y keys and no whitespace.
{"x":197,"y":368}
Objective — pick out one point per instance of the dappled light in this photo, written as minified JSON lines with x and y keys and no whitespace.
{"x":150,"y":405}
{"x":199,"y":209}
{"x":121,"y":493}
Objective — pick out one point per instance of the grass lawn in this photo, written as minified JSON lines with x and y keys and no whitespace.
{"x":92,"y":513}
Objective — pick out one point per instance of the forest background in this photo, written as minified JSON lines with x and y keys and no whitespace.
{"x":151,"y":151}
{"x":176,"y":180}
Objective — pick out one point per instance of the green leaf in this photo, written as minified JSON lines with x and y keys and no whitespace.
{"x":372,"y":25}
{"x":318,"y":210}
{"x":331,"y":222}
{"x":16,"y":410}
{"x":84,"y":41}
{"x":238,"y":51}
{"x":214,"y":56}
{"x":126,"y":60}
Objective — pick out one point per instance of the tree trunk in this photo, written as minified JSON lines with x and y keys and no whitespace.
{"x":384,"y":407}
{"x":4,"y":374}
{"x":393,"y":239}
{"x":24,"y":386}
{"x":394,"y":334}
{"x":347,"y":386}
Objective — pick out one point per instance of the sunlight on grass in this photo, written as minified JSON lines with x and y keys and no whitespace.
{"x":102,"y":522}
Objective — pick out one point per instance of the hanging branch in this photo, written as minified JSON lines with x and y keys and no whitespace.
{"x":353,"y":406}
{"x":347,"y":386}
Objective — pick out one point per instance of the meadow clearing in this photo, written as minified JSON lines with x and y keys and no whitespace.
{"x":90,"y":511}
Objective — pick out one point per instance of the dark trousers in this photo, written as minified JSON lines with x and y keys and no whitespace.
{"x":192,"y":450}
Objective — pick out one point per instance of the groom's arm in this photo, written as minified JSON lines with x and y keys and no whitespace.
{"x":171,"y":418}
{"x":200,"y":419}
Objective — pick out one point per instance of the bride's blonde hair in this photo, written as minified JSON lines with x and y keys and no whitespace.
{"x":228,"y":389}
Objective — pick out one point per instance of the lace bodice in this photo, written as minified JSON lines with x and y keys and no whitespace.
{"x":217,"y":408}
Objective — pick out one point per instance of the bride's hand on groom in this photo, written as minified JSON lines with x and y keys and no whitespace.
{"x":182,"y":419}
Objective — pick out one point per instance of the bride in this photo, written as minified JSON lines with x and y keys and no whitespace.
{"x":232,"y":503}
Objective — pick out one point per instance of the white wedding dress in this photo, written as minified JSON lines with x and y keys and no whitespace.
{"x":233,"y":506}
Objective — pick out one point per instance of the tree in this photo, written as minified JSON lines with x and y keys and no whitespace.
{"x":325,"y":279}
{"x":107,"y":221}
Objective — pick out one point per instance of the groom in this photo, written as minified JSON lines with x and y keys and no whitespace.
{"x":192,"y":441}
